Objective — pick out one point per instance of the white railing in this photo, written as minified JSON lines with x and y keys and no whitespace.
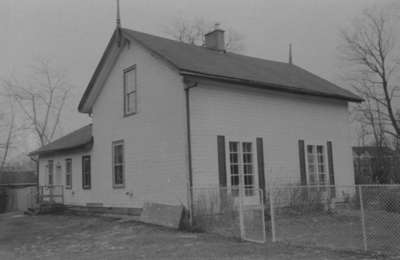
{"x":51,"y":194}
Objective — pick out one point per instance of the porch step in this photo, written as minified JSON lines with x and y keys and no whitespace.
{"x":32,"y":211}
{"x":48,"y":208}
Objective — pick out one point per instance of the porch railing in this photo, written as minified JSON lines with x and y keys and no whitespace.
{"x":51,"y":194}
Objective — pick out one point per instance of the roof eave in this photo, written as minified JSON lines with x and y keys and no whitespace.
{"x":275,"y":87}
{"x":99,"y":67}
{"x":84,"y":146}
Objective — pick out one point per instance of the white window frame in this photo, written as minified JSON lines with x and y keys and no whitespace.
{"x":326,"y":165}
{"x":68,"y":173}
{"x":114,"y":164}
{"x":127,"y":111}
{"x":242,"y":140}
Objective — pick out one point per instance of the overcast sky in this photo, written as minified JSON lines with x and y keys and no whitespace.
{"x":72,"y":34}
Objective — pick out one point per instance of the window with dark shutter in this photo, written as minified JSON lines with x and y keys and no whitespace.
{"x":221,"y":161}
{"x":50,"y":170}
{"x":302,"y":160}
{"x":86,"y":172}
{"x":260,"y":165}
{"x":68,"y":173}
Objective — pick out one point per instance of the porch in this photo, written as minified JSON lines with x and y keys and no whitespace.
{"x":51,"y":194}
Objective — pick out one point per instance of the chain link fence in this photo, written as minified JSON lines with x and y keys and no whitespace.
{"x":358,"y":217}
{"x":232,"y":212}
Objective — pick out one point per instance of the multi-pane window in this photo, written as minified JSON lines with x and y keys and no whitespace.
{"x":248,"y":172}
{"x":68,"y":173}
{"x":86,"y":171}
{"x":317,"y":170}
{"x":118,"y":163}
{"x":130,"y":91}
{"x":50,"y":169}
{"x":241,"y":167}
{"x":234,"y":166}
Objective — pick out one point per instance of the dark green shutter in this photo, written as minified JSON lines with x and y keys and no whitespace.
{"x":330,"y":167}
{"x":260,"y":164}
{"x":221,"y":160}
{"x":302,"y":160}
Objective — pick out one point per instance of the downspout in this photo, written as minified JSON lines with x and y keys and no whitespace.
{"x":188,"y":86}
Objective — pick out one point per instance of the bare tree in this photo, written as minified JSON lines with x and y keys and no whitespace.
{"x":41,"y":99}
{"x":8,"y":124}
{"x":193,"y":31}
{"x":371,"y":48}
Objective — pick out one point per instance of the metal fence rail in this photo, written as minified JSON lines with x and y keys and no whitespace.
{"x":231,"y":212}
{"x":358,"y":217}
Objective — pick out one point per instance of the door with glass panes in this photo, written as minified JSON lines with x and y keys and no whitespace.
{"x":242,"y":170}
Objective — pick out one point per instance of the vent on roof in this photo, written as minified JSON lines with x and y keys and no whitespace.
{"x":215,"y":39}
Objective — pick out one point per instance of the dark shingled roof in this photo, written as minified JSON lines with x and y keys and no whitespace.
{"x":77,"y":139}
{"x":278,"y":75}
{"x":17,"y":177}
{"x":200,"y":61}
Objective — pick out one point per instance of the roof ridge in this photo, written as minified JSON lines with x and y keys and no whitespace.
{"x":206,"y":49}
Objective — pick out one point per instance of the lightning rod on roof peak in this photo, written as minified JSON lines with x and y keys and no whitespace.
{"x":118,"y":16}
{"x":290,"y":54}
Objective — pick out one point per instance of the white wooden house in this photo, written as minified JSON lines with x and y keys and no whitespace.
{"x":168,"y":116}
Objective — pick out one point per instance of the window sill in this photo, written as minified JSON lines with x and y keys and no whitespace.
{"x":129,"y":114}
{"x":122,"y":186}
{"x":86,"y":188}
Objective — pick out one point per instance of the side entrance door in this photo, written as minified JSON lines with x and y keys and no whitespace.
{"x":242,"y":171}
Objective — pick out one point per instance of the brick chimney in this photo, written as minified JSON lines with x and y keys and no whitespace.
{"x":215,"y":40}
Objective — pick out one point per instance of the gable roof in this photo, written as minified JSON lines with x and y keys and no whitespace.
{"x":200,"y":61}
{"x":77,"y":139}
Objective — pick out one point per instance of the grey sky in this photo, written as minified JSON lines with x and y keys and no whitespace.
{"x":73,"y":33}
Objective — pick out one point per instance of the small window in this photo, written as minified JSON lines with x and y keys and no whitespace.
{"x":50,"y":170}
{"x":118,"y":164}
{"x":68,"y":173}
{"x":86,"y":171}
{"x":130,"y":91}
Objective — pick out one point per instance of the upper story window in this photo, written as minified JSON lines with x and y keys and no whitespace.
{"x":68,"y":173}
{"x":118,"y":164}
{"x":130,"y":91}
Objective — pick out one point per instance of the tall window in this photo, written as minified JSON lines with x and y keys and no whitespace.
{"x":241,"y":167}
{"x":86,"y":169}
{"x":50,"y":170}
{"x":68,"y":173}
{"x":130,"y":90}
{"x":317,"y":170}
{"x":118,"y":164}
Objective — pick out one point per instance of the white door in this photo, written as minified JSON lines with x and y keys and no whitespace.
{"x":242,"y":171}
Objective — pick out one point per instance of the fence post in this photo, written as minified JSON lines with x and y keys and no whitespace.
{"x":262,"y":214}
{"x":242,"y":231}
{"x":362,"y":218}
{"x":272,"y":213}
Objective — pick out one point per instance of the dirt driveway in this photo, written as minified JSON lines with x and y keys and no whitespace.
{"x":79,"y":237}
